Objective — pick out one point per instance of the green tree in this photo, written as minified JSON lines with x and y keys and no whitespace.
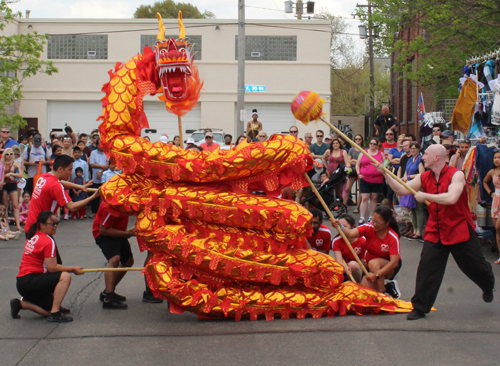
{"x":450,"y":32}
{"x":19,"y":59}
{"x":170,"y":9}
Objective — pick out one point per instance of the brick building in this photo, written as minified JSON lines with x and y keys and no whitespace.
{"x":405,"y":93}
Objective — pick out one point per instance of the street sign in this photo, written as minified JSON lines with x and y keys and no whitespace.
{"x":255,"y":88}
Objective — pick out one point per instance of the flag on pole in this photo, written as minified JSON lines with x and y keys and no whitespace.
{"x":420,"y":110}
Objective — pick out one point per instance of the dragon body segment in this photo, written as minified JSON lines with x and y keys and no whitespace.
{"x":219,"y":250}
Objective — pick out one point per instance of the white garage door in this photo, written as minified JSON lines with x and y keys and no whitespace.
{"x":81,"y":116}
{"x":164,"y":122}
{"x":275,"y":117}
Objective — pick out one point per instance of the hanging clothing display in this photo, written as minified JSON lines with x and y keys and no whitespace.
{"x":464,"y":109}
{"x":495,"y":110}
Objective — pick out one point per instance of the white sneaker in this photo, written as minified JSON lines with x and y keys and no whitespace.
{"x":361,"y":221}
{"x":392,"y":289}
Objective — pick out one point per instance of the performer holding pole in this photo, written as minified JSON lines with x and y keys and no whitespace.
{"x":448,"y":230}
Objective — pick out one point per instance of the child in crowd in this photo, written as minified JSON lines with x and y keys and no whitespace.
{"x":23,"y":142}
{"x":78,"y":194}
{"x":56,"y":151}
{"x":25,"y":206}
{"x":80,"y":163}
{"x":388,"y":203}
{"x":108,"y":174}
{"x":5,"y":233}
{"x":324,"y":178}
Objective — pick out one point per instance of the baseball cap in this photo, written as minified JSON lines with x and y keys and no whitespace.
{"x":190,"y":141}
{"x":37,"y":140}
{"x":209,"y":134}
{"x":447,"y":133}
{"x":164,"y":139}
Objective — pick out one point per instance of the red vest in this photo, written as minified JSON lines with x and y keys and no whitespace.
{"x":447,"y":223}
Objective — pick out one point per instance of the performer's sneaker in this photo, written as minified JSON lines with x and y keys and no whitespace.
{"x":113,"y":304}
{"x":415,"y":314}
{"x":64,"y":310}
{"x":147,"y":296}
{"x":15,"y":308}
{"x":392,"y":289}
{"x":102,"y":296}
{"x":59,"y":318}
{"x":488,"y":296}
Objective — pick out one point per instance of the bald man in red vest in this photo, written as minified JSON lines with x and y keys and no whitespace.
{"x":448,"y":230}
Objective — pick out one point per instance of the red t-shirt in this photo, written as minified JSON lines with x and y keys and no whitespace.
{"x":48,"y":194}
{"x":39,"y":247}
{"x":210,"y":148}
{"x":376,"y":247}
{"x":108,"y":220}
{"x":339,"y":245}
{"x":386,"y":147}
{"x":322,"y":240}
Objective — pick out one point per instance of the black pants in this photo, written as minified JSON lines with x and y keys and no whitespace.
{"x":94,"y":204}
{"x":470,"y":259}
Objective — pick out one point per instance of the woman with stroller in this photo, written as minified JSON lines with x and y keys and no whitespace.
{"x":335,"y":156}
{"x":353,"y":177}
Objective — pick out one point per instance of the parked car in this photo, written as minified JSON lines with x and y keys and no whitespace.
{"x":199,"y":136}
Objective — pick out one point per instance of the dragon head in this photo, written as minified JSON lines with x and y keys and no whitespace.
{"x":174,"y":61}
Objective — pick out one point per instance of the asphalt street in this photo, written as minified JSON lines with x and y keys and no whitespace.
{"x":463,"y":331}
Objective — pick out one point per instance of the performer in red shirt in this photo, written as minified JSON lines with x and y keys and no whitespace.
{"x":49,"y":194}
{"x":343,"y":254}
{"x":382,"y":254}
{"x":321,"y":239}
{"x":42,"y":280}
{"x":111,"y":235}
{"x":448,"y":230}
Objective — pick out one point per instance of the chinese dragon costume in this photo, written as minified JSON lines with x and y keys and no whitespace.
{"x":219,"y":250}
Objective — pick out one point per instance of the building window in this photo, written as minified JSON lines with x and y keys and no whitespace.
{"x":269,"y":48}
{"x":73,"y":47}
{"x":148,"y":40}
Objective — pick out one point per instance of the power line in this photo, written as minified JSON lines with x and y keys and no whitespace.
{"x":213,"y":25}
{"x":258,"y":7}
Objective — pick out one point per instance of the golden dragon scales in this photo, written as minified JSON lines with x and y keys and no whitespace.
{"x":219,"y":250}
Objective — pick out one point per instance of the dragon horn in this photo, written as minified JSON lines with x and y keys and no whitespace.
{"x":182,"y":30}
{"x":161,"y":34}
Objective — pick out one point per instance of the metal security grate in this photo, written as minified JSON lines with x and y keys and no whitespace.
{"x":269,"y":48}
{"x":73,"y":47}
{"x":149,"y":40}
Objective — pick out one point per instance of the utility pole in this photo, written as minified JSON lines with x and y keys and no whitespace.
{"x":372,"y":66}
{"x":300,"y":9}
{"x":372,"y":61}
{"x":240,"y":104}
